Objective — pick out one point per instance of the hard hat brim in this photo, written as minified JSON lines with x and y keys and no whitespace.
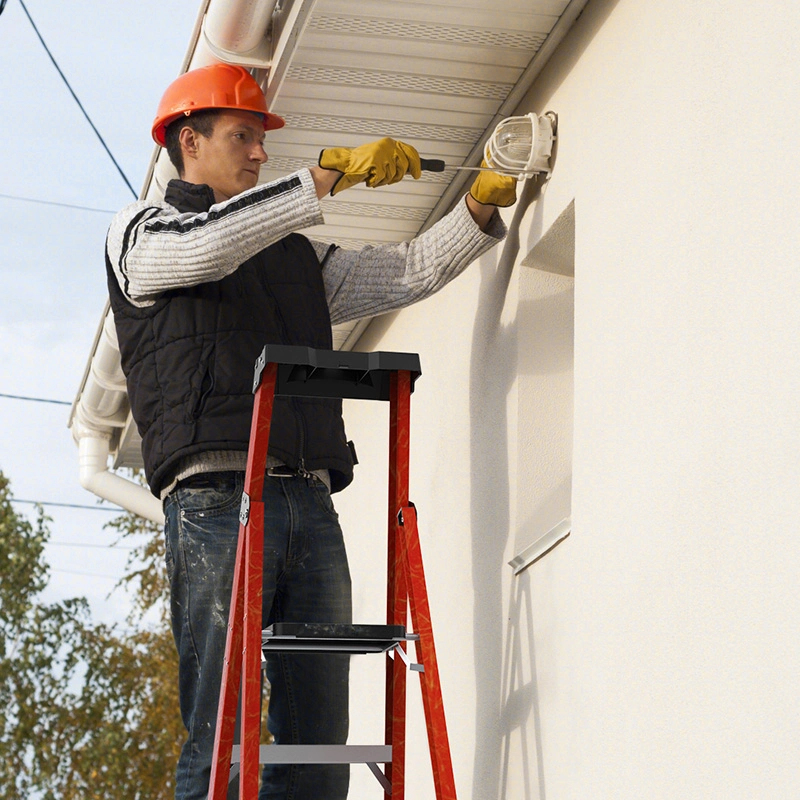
{"x":271,"y":121}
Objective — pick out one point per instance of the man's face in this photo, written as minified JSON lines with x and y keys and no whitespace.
{"x":229,"y":160}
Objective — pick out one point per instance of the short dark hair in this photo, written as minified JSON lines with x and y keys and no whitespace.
{"x":201,"y":122}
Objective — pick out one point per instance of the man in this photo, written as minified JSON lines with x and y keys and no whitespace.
{"x":199,"y":283}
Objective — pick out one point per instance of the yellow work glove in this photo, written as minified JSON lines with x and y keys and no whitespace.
{"x":492,"y":188}
{"x":377,"y":163}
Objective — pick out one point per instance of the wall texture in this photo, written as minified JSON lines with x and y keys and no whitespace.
{"x":653,"y":653}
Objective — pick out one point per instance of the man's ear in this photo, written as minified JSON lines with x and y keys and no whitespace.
{"x":190,"y":142}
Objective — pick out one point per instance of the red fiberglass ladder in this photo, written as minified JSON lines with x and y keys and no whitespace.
{"x":301,"y":371}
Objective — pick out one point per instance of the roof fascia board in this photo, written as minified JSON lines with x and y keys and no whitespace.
{"x":287,"y":28}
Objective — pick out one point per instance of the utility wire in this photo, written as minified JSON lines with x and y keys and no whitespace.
{"x":53,"y":203}
{"x":75,"y":97}
{"x":84,"y":544}
{"x":67,"y":505}
{"x":35,"y":399}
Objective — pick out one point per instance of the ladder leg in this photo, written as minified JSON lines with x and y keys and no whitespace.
{"x":397,"y":593}
{"x":444,"y":781}
{"x":244,"y":626}
{"x":251,"y":654}
{"x":231,"y":675}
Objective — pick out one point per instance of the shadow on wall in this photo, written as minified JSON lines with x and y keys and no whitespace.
{"x":492,"y":373}
{"x":521,"y":698}
{"x":550,"y":344}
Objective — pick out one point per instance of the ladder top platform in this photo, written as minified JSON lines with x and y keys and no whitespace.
{"x":306,"y":372}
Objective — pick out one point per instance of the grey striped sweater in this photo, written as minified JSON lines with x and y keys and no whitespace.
{"x":153,"y":248}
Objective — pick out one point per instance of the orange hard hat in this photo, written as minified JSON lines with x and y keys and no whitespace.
{"x":215,"y":86}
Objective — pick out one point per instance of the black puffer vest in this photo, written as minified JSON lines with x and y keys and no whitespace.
{"x":189,"y":359}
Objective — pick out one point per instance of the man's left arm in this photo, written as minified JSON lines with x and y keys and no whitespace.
{"x":381,"y":278}
{"x":481,"y":213}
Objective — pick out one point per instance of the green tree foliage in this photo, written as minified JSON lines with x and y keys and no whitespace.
{"x":86,"y":712}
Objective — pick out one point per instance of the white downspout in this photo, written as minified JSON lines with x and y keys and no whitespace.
{"x":236,"y":30}
{"x":95,"y":476}
{"x":100,"y":411}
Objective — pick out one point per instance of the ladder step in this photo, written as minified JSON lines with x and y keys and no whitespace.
{"x":320,"y":754}
{"x":333,"y":637}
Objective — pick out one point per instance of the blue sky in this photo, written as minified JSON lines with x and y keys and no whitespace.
{"x":118,"y":56}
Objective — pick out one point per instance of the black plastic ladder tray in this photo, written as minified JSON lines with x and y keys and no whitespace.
{"x":305,"y":372}
{"x":306,"y":637}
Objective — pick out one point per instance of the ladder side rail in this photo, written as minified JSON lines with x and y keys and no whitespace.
{"x":237,"y":636}
{"x":231,"y":677}
{"x":433,"y":705}
{"x":397,"y":592}
{"x":251,"y":653}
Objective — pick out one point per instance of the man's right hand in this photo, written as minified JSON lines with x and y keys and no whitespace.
{"x":376,"y":164}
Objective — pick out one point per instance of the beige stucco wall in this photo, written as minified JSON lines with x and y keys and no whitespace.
{"x":654,"y":652}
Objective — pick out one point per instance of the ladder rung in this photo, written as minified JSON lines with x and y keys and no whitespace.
{"x":333,"y":637}
{"x":320,"y":754}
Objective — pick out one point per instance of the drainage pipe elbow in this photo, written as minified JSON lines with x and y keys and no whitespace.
{"x":95,"y":476}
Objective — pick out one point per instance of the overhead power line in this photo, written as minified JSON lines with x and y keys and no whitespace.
{"x":85,"y":574}
{"x":68,"y":505}
{"x":75,"y":97}
{"x":54,"y":203}
{"x":35,"y":399}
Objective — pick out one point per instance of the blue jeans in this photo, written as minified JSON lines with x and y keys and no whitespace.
{"x":306,"y":579}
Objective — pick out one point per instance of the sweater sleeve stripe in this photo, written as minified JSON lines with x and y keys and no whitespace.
{"x":155,"y":248}
{"x":128,"y":240}
{"x":217,"y":214}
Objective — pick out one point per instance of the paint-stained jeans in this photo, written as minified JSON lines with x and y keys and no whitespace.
{"x":306,"y":579}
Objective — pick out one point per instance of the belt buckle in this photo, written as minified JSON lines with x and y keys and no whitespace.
{"x":282,"y":471}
